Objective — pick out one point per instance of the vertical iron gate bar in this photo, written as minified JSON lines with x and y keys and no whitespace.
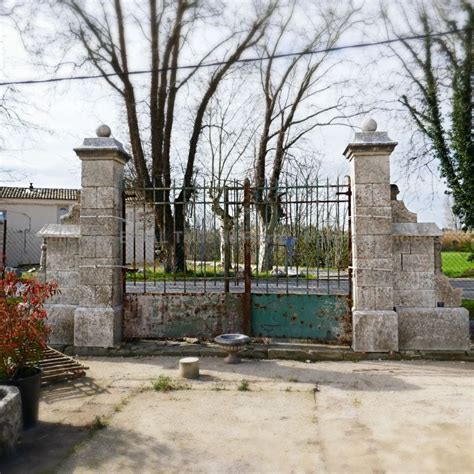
{"x":174,"y":235}
{"x":185,"y":264}
{"x":226,"y":239}
{"x":144,"y":241}
{"x":349,"y":232}
{"x":195,"y":237}
{"x":154,"y":255}
{"x":317,"y":233}
{"x":134,"y":229}
{"x":338,"y":266}
{"x":327,"y":231}
{"x":165,"y":242}
{"x":247,"y":300}
{"x":124,"y":242}
{"x":204,"y":231}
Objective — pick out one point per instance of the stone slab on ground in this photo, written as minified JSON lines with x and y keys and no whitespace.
{"x":255,"y":350}
{"x":296,"y":416}
{"x":429,"y":329}
{"x":375,"y":331}
{"x":10,"y":418}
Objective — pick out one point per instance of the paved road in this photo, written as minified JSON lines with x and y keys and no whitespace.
{"x":374,"y":416}
{"x":467,"y":284}
{"x":282,"y":286}
{"x":274,"y":286}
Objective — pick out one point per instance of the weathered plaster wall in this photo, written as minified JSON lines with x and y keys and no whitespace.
{"x":181,"y":315}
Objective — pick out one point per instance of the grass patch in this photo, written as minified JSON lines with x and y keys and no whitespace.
{"x":469,"y":305}
{"x":211,"y":270}
{"x":219,"y":386}
{"x":293,"y":380}
{"x":166,"y":384}
{"x":244,"y":386}
{"x":457,"y":264}
{"x":159,"y":274}
{"x":99,"y":423}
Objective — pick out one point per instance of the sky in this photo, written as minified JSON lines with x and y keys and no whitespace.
{"x":64,"y":114}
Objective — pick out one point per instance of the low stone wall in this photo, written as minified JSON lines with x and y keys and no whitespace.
{"x":10,"y":418}
{"x":62,"y":265}
{"x":182,"y":315}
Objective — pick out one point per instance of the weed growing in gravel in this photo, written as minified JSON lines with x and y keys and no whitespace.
{"x":243,"y":386}
{"x":218,"y":386}
{"x":99,"y":423}
{"x":293,"y":380}
{"x":166,"y":384}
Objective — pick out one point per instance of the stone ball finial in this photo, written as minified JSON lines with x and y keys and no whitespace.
{"x":369,"y":125}
{"x":103,"y":131}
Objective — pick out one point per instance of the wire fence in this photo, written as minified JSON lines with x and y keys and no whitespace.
{"x":21,"y":248}
{"x":211,"y":237}
{"x":457,"y":254}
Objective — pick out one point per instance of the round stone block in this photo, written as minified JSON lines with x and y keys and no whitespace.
{"x":189,"y":367}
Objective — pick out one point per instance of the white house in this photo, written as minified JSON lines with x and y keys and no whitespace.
{"x":26,"y":211}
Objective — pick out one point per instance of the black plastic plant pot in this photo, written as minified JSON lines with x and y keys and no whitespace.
{"x":29,"y":385}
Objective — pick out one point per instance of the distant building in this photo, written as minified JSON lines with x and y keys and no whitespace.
{"x":27,"y":210}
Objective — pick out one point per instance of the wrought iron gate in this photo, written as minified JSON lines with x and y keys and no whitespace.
{"x":286,"y":251}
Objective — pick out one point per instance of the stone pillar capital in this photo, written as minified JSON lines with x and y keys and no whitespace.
{"x":102,"y":147}
{"x":370,"y":143}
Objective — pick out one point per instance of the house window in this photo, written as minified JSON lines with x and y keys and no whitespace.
{"x":62,"y":210}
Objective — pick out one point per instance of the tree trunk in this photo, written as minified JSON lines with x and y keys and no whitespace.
{"x":179,"y":264}
{"x":267,"y":243}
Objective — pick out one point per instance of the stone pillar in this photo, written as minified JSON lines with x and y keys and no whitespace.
{"x":98,"y":319}
{"x":375,"y":323}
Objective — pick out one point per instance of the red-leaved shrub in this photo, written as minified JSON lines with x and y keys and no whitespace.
{"x":23,"y":326}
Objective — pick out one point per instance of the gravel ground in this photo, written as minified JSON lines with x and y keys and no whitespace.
{"x":371,"y":416}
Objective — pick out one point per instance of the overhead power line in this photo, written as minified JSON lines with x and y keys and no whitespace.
{"x":242,"y":60}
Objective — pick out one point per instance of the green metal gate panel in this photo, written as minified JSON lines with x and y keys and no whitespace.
{"x":320,"y":317}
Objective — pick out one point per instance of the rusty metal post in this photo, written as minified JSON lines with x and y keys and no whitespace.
{"x":227,"y":249}
{"x":349,"y":219}
{"x":124,"y":242}
{"x":247,"y":297}
{"x":4,"y":245}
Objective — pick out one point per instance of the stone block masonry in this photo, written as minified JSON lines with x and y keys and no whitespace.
{"x":10,"y":419}
{"x":401,"y":299}
{"x":84,"y":253}
{"x":98,"y":318}
{"x":374,"y":321}
{"x":61,"y":253}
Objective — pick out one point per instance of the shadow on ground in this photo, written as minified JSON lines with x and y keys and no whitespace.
{"x":34,"y":455}
{"x":76,"y":388}
{"x":381,"y":378}
{"x":45,"y":445}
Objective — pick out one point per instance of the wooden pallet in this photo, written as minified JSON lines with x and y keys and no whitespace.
{"x":58,"y":367}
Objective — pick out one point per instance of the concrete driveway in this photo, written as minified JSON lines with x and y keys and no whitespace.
{"x":377,"y":416}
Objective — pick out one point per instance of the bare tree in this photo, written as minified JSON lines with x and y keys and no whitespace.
{"x":287,"y":117}
{"x":230,"y":132}
{"x":438,"y":93}
{"x":13,"y":111}
{"x":102,"y":31}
